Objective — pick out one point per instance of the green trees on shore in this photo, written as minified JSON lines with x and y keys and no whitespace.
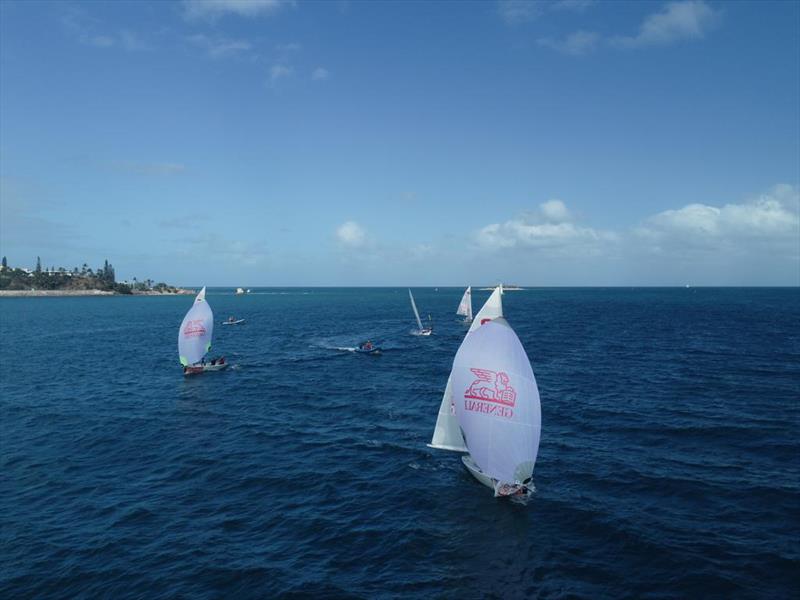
{"x":104,"y":278}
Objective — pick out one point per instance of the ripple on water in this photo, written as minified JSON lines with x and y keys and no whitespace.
{"x":667,"y":466}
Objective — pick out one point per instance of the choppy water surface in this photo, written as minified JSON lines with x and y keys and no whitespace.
{"x":668,"y":465}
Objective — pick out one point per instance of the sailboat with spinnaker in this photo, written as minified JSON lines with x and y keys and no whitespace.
{"x":491,"y":408}
{"x":194,"y":338}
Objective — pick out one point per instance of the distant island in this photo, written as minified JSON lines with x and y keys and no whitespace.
{"x":20,"y":281}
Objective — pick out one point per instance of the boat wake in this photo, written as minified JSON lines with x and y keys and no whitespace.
{"x":278,"y":293}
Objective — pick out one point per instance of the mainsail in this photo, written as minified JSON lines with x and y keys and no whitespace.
{"x":194,"y":336}
{"x":465,"y":306}
{"x":447,"y":435}
{"x":416,"y":312}
{"x":497,"y":403}
{"x":492,"y":309}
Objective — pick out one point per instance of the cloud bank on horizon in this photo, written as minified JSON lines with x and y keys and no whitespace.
{"x":271,"y":142}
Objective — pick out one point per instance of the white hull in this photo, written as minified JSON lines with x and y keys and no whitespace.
{"x":215,"y":367}
{"x":476,"y":472}
{"x":237,"y":322}
{"x":504,"y":490}
{"x":425,"y":332}
{"x":197,"y":369}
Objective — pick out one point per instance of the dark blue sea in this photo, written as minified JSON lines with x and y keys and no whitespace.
{"x":669,"y":465}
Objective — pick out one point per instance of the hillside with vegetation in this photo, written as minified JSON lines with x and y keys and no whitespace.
{"x":75,"y":280}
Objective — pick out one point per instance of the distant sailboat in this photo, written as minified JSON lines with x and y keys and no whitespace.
{"x":422,"y":330}
{"x":465,"y":306}
{"x":447,"y":433}
{"x":194,"y":338}
{"x":239,"y":291}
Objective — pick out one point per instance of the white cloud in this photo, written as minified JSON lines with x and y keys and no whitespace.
{"x":575,"y":44}
{"x":687,"y":19}
{"x":515,"y":12}
{"x":101,"y":41}
{"x":555,"y":211}
{"x":572,"y":5}
{"x":769,"y":217}
{"x":278,"y":72}
{"x":219,"y":249}
{"x":89,"y":31}
{"x":220,"y":47}
{"x":351,"y":234}
{"x":320,"y":74}
{"x":286,"y":48}
{"x":132,"y":41}
{"x":755,"y":242}
{"x":213,"y":9}
{"x":752,"y":242}
{"x":420,"y":251}
{"x":549,"y":228}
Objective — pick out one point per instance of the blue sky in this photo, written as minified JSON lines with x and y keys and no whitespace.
{"x":346,"y":143}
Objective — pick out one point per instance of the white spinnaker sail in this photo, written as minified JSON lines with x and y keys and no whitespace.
{"x":447,"y":434}
{"x":465,"y":306}
{"x":497,"y":402}
{"x":194,"y":336}
{"x":416,"y":312}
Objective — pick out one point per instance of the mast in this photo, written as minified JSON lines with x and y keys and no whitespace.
{"x":416,"y":312}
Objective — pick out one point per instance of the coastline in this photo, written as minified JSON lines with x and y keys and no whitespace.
{"x":61,"y":293}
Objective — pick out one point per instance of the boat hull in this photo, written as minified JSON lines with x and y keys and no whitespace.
{"x":371,"y":352}
{"x":476,"y":472}
{"x":197,"y":369}
{"x":237,"y":322}
{"x":502,"y":490}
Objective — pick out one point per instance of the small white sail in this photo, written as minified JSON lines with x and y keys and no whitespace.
{"x":447,"y":434}
{"x":194,"y":336}
{"x":492,"y":309}
{"x":465,"y":306}
{"x":497,"y":403}
{"x":416,"y":312}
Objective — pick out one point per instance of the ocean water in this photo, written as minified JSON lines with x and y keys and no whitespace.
{"x":669,"y":464}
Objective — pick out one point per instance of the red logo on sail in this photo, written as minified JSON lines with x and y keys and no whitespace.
{"x":195,"y":328}
{"x":491,"y":386}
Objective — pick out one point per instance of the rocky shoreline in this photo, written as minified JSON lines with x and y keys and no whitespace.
{"x":59,"y":293}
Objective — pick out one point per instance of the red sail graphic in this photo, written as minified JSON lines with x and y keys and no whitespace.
{"x":492,"y":386}
{"x":194,"y":328}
